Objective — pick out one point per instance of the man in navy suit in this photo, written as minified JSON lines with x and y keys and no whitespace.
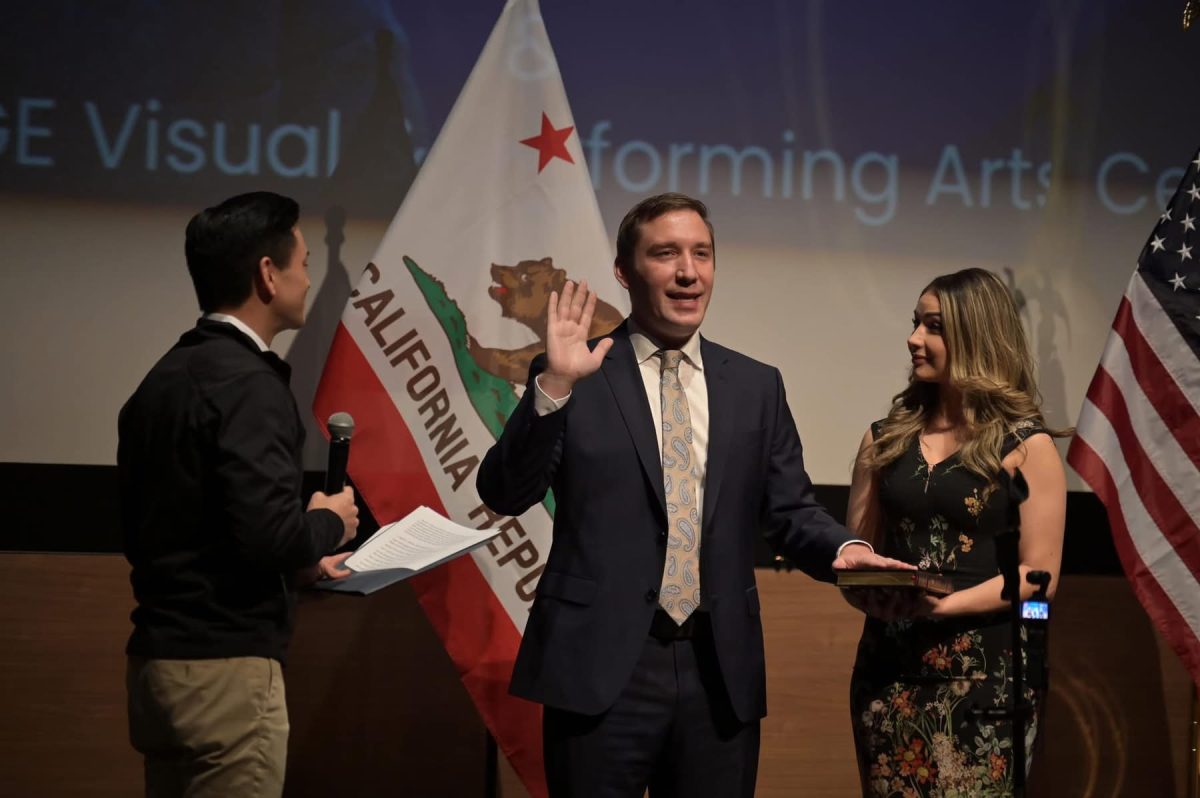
{"x":666,"y":453}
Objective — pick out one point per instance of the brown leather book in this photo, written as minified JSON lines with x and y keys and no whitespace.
{"x":935,"y":584}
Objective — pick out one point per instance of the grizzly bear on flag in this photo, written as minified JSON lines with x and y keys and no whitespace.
{"x":523,"y":292}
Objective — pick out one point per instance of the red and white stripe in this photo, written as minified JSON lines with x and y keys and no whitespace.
{"x":465,"y":611}
{"x":1137,"y":444}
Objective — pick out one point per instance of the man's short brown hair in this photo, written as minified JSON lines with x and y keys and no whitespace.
{"x":649,"y":209}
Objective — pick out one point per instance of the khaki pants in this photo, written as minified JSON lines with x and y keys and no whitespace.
{"x":209,"y":727}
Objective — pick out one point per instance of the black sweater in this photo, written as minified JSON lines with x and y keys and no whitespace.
{"x":210,"y":481}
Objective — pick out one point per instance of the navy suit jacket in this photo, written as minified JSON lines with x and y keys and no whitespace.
{"x":599,"y":454}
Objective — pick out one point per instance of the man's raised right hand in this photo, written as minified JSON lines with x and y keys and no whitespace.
{"x":568,"y":358}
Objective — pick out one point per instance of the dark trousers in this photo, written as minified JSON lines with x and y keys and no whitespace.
{"x":672,"y":730}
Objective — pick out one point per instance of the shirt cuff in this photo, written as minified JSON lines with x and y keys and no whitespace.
{"x":851,"y":542}
{"x":543,"y":404}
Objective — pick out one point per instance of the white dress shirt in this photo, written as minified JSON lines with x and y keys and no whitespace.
{"x":241,"y":325}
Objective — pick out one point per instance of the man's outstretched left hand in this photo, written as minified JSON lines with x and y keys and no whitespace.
{"x":858,"y":556}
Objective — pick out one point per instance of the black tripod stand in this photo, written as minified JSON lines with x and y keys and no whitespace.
{"x":1029,"y":619}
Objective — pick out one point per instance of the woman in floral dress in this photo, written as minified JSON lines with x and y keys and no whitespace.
{"x":925,"y":491}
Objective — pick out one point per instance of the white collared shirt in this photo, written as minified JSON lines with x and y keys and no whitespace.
{"x":695,"y":388}
{"x":241,"y":325}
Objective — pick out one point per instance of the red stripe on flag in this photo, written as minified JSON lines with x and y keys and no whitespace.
{"x":483,"y":642}
{"x":481,"y":639}
{"x":1161,"y":504}
{"x":1162,"y":611}
{"x":1157,"y":383}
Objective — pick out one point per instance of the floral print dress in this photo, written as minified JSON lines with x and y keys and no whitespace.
{"x":915,"y":680}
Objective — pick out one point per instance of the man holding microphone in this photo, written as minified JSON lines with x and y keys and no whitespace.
{"x":212,"y":516}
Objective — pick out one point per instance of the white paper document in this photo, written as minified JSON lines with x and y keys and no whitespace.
{"x":418,"y":541}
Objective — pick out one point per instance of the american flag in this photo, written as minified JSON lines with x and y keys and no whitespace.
{"x":1137,"y":443}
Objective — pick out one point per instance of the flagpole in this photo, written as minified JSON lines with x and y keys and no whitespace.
{"x":1194,"y":754}
{"x":491,"y":759}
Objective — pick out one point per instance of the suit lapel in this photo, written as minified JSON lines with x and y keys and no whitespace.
{"x":620,"y":368}
{"x":720,"y":424}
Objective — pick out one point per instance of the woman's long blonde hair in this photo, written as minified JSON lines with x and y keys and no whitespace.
{"x":990,"y":365}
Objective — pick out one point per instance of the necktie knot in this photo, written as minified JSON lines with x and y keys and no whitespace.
{"x":671,"y":358}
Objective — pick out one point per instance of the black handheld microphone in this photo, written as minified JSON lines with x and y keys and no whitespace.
{"x":341,"y":427}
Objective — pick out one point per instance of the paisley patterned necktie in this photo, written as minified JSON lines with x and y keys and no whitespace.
{"x":680,"y":591}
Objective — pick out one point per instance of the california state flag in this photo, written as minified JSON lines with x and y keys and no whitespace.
{"x":434,"y":345}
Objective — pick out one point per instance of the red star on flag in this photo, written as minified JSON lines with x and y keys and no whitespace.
{"x":550,"y":143}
